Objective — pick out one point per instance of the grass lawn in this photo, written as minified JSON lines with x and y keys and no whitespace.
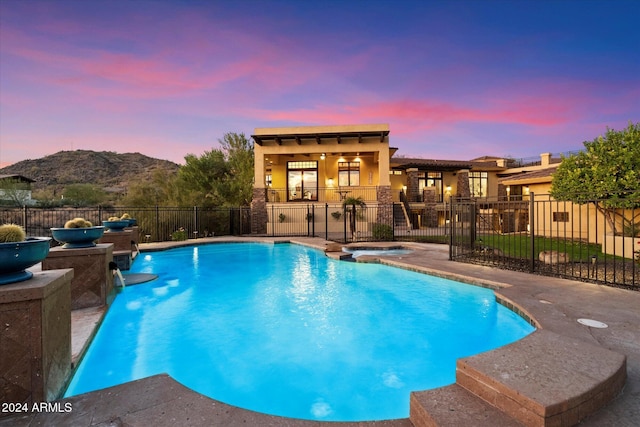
{"x":519,"y":245}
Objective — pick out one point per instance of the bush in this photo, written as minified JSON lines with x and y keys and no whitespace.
{"x":382,"y":232}
{"x":179,"y":235}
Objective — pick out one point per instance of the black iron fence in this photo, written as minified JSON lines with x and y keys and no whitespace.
{"x":540,"y":235}
{"x":535,"y":234}
{"x":154,"y":224}
{"x":371,"y":222}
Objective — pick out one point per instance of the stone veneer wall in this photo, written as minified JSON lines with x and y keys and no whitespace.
{"x":35,"y":338}
{"x":259,"y":214}
{"x":463,"y":189}
{"x":92,"y":284}
{"x":385,"y":205}
{"x":430,"y":198}
{"x":413,"y":187}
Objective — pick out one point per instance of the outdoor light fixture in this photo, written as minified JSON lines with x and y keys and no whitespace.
{"x":323,"y":156}
{"x":330,"y":181}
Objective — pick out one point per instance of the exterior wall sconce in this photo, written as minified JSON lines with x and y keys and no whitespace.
{"x":526,"y":190}
{"x":323,"y":156}
{"x":448,"y":190}
{"x":330,"y":182}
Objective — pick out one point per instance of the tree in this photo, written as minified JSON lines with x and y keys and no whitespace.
{"x":83,"y":195}
{"x":159,"y":191}
{"x":15,"y":192}
{"x":221,"y":177}
{"x":353,"y":202}
{"x":199,"y":180}
{"x":606,"y":173}
{"x":238,"y":187}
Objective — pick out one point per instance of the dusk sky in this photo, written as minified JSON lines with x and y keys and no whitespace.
{"x":453,"y":79}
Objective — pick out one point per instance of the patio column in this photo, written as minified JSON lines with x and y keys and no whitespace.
{"x":259,"y":214}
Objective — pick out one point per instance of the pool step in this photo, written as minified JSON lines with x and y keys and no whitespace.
{"x":453,"y":406}
{"x":542,"y":380}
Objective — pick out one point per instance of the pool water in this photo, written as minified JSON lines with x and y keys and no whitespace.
{"x":284,"y":330}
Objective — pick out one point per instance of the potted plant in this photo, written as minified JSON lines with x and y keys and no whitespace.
{"x":115,"y":223}
{"x":19,"y":252}
{"x":77,"y":233}
{"x":126,"y":217}
{"x":336,"y":215}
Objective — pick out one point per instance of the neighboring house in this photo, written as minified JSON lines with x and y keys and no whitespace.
{"x":16,"y":190}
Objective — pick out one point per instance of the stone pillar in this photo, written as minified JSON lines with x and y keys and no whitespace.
{"x":92,"y":284}
{"x":35,"y":332}
{"x":413,"y":187}
{"x":259,"y":214}
{"x":502,"y":192}
{"x":430,"y":198}
{"x":463,"y":189}
{"x":122,"y":240}
{"x":385,"y":205}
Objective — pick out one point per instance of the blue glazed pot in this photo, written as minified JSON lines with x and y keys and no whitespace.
{"x":116,"y":225}
{"x":74,"y":238}
{"x":16,"y":257}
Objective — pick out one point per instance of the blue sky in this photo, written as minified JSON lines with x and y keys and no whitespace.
{"x":453,"y":79}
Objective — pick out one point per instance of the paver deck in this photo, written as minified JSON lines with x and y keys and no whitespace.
{"x":555,"y":304}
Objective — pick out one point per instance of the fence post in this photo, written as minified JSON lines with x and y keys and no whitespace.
{"x":451,"y":227}
{"x":344,"y":220}
{"x":158,"y":224}
{"x":195,"y":221}
{"x":393,"y":221}
{"x":326,"y":221}
{"x":24,"y":217}
{"x":273,"y":219}
{"x":532,"y":243}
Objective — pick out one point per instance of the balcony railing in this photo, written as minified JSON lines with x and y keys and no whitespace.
{"x":321,"y":195}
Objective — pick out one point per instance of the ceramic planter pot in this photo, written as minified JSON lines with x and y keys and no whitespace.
{"x":116,"y":225}
{"x":16,"y":257}
{"x":74,"y":238}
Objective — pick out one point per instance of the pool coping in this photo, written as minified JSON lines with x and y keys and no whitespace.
{"x":549,"y":306}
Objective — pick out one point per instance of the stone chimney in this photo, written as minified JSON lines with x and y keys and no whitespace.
{"x":545,"y":159}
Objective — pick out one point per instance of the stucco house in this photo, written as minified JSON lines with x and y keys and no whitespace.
{"x":16,"y":190}
{"x":323,"y":165}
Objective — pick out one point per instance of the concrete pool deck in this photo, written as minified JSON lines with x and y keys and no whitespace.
{"x":563,"y":369}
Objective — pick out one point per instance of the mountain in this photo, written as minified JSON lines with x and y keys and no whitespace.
{"x":111,"y":171}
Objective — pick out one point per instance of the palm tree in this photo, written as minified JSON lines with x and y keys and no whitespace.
{"x":353,"y":202}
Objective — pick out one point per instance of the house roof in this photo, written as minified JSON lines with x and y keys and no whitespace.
{"x":17,"y":177}
{"x":320,"y":133}
{"x":443,"y":165}
{"x":534,"y":177}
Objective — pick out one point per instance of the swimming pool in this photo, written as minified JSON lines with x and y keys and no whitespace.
{"x":284,"y":330}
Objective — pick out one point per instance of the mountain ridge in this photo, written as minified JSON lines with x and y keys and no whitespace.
{"x":107,"y":169}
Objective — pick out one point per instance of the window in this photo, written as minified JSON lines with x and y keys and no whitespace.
{"x":268,"y":178}
{"x":478,"y":184}
{"x":302,"y":181}
{"x":431,"y":179}
{"x":348,"y":174}
{"x":561,"y":217}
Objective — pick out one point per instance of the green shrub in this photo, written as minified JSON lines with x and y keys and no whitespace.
{"x":382,"y":232}
{"x":179,"y":235}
